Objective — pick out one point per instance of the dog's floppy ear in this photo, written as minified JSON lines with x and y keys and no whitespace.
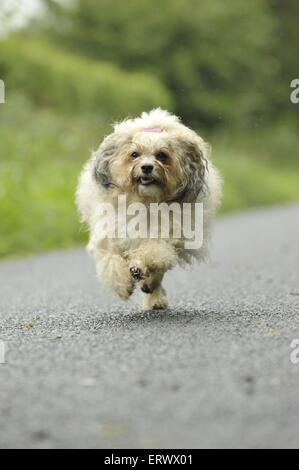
{"x":101,"y":160}
{"x":194,"y":164}
{"x":102,"y":173}
{"x":108,"y":150}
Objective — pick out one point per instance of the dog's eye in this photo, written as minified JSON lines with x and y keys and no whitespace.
{"x":134,"y":155}
{"x":162,"y":157}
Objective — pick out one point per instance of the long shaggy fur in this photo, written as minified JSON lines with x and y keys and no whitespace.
{"x":184,"y":174}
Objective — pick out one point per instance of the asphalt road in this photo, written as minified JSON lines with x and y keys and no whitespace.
{"x":86,"y":370}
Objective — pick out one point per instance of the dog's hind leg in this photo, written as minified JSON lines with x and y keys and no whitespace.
{"x":114,"y":272}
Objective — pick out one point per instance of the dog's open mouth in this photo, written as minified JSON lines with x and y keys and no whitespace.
{"x":147,"y":180}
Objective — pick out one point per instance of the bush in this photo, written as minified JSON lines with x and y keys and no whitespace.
{"x":41,"y":155}
{"x":214,"y":56}
{"x":51,"y":78}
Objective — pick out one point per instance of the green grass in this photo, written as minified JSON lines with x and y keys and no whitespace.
{"x":252,"y":176}
{"x":41,"y":155}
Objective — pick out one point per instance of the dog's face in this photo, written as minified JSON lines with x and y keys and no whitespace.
{"x":152,"y":164}
{"x":147,"y":166}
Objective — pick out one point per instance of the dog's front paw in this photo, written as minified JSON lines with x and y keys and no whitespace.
{"x":156,"y":300}
{"x":146,"y":279}
{"x":124,"y":284}
{"x":136,"y":273}
{"x":162,"y":305}
{"x":124,"y":291}
{"x":143,"y":278}
{"x":113,"y":271}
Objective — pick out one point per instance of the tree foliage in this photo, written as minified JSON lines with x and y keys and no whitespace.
{"x":215,"y":57}
{"x":52,"y":78}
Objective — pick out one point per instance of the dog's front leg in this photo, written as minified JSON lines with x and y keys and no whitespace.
{"x":156,"y":300}
{"x":149,"y":279}
{"x":148,"y":264}
{"x":113,"y":271}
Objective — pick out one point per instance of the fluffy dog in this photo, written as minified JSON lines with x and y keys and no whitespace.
{"x":150,"y":159}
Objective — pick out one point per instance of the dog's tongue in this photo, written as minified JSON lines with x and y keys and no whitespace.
{"x":152,"y":129}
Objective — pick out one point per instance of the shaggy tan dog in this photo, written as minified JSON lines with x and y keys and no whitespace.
{"x":151,"y":160}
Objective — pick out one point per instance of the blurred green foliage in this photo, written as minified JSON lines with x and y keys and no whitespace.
{"x":41,"y":155}
{"x":225,"y":67}
{"x":227,"y":63}
{"x":55,"y":79}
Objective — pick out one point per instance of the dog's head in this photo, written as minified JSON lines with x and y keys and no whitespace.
{"x":154,"y":158}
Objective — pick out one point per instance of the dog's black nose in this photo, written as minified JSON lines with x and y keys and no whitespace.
{"x":147,"y":169}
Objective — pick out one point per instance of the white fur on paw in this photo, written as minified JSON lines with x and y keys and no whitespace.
{"x":136,"y":273}
{"x":123,"y":291}
{"x":115,"y":274}
{"x":155,"y":304}
{"x":123,"y":285}
{"x":160,"y":305}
